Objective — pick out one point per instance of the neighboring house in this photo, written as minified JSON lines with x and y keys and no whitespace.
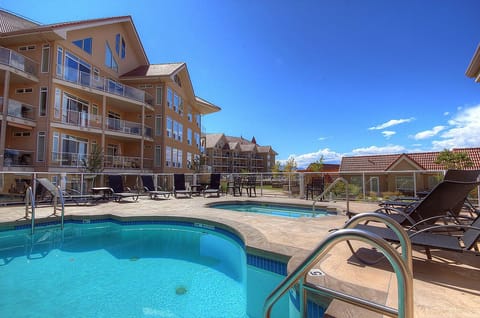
{"x":71,"y":87}
{"x":404,"y":173}
{"x":226,"y":154}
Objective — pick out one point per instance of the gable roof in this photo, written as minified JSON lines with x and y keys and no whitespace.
{"x":211,"y":140}
{"x":473,"y":69}
{"x":10,"y":22}
{"x":420,"y":160}
{"x":58,"y":31}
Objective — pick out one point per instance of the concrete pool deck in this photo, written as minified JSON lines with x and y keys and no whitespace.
{"x":446,"y":286}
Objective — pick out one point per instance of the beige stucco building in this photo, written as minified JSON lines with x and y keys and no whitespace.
{"x":73,"y":87}
{"x":227,"y":154}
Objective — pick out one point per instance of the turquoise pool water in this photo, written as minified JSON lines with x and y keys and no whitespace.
{"x":141,"y":270}
{"x":288,"y":211}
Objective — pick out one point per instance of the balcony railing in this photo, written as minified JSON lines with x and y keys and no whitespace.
{"x":16,"y":157}
{"x":82,"y":119}
{"x":18,"y":61}
{"x":76,"y":76}
{"x":19,"y":110}
{"x":128,"y":127}
{"x":122,"y":162}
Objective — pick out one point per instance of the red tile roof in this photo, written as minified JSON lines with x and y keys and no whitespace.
{"x":422,"y":161}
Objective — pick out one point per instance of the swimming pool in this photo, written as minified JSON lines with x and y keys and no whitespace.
{"x":132,"y":269}
{"x":286,"y":210}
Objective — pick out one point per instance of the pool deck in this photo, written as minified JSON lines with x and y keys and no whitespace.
{"x":446,"y":286}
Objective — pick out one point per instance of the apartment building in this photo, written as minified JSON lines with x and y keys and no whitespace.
{"x":78,"y":88}
{"x":227,"y":154}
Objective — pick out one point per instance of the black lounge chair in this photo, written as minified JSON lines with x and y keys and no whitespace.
{"x":179,"y":185}
{"x":235,"y":185}
{"x":214,"y":186}
{"x":153,"y":192}
{"x":432,"y":237}
{"x":115,"y":183}
{"x":446,"y":199}
{"x":250,"y":185}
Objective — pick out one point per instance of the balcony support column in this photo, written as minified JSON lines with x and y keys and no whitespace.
{"x":142,"y":142}
{"x":3,"y":129}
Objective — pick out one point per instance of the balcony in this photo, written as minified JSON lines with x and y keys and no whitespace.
{"x":106,"y":85}
{"x":18,"y":61}
{"x":122,"y":162}
{"x":18,"y":158}
{"x":128,"y":127}
{"x":19,"y":110}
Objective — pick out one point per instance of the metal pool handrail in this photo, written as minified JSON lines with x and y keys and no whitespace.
{"x":401,"y":268}
{"x":30,"y":201}
{"x":322,"y":195}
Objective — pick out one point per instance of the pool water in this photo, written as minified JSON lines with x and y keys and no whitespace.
{"x":110,"y":270}
{"x":288,"y":211}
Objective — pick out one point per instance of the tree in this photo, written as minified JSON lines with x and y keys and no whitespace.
{"x":453,"y":160}
{"x":277,"y":167}
{"x":290,"y":165}
{"x":94,"y":162}
{"x":316,"y":166}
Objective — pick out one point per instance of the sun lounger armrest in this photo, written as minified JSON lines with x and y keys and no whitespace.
{"x":389,"y":210}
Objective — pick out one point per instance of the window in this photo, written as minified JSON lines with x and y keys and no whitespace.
{"x":84,"y":44}
{"x":180,"y":132}
{"x":58,"y":103}
{"x":124,"y":50}
{"x":23,"y":90}
{"x":41,"y":146}
{"x":120,"y":46}
{"x":42,"y":109}
{"x":45,"y":58}
{"x":198,"y":119}
{"x":189,"y":160}
{"x":180,"y":158}
{"x":110,"y":61}
{"x":176,"y":78}
{"x":169,"y":98}
{"x":59,"y":60}
{"x":96,"y":74}
{"x":176,"y":102}
{"x":168,"y":156}
{"x":197,"y":140}
{"x":169,"y":127}
{"x":21,"y":134}
{"x":159,"y":95}
{"x":158,"y":155}
{"x":158,"y":125}
{"x":404,"y":184}
{"x":189,"y":136}
{"x":76,"y":70}
{"x":374,"y":185}
{"x":189,"y":116}
{"x":55,"y":146}
{"x":175,"y":129}
{"x":26,"y":48}
{"x":174,"y":157}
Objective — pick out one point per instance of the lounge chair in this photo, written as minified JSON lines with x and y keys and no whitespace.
{"x":179,"y":186}
{"x":250,"y":185}
{"x":115,"y":183}
{"x":446,"y":199}
{"x":214,"y":186}
{"x":153,"y":192}
{"x":235,"y":185}
{"x":429,"y":237}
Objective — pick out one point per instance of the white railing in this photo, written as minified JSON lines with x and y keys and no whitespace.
{"x":82,"y":119}
{"x":18,"y":61}
{"x":19,"y":110}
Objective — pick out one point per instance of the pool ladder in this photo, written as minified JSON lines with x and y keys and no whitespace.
{"x":401,"y":263}
{"x":30,"y":206}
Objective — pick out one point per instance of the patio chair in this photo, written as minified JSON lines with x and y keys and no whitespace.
{"x":214,"y":186}
{"x":235,"y":185}
{"x":68,"y":196}
{"x":316,"y":186}
{"x":250,"y":185}
{"x":153,"y":192}
{"x":115,"y":182}
{"x":432,"y":237}
{"x":446,"y":199}
{"x":179,"y":186}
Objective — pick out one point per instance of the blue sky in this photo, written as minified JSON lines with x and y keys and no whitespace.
{"x":314,"y":78}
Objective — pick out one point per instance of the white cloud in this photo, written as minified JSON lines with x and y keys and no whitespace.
{"x":322,"y":138}
{"x":465,"y":130}
{"x":428,"y":133}
{"x":392,"y":122}
{"x":446,"y":113}
{"x":375,"y":150}
{"x":304,"y":160}
{"x":388,"y":133}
